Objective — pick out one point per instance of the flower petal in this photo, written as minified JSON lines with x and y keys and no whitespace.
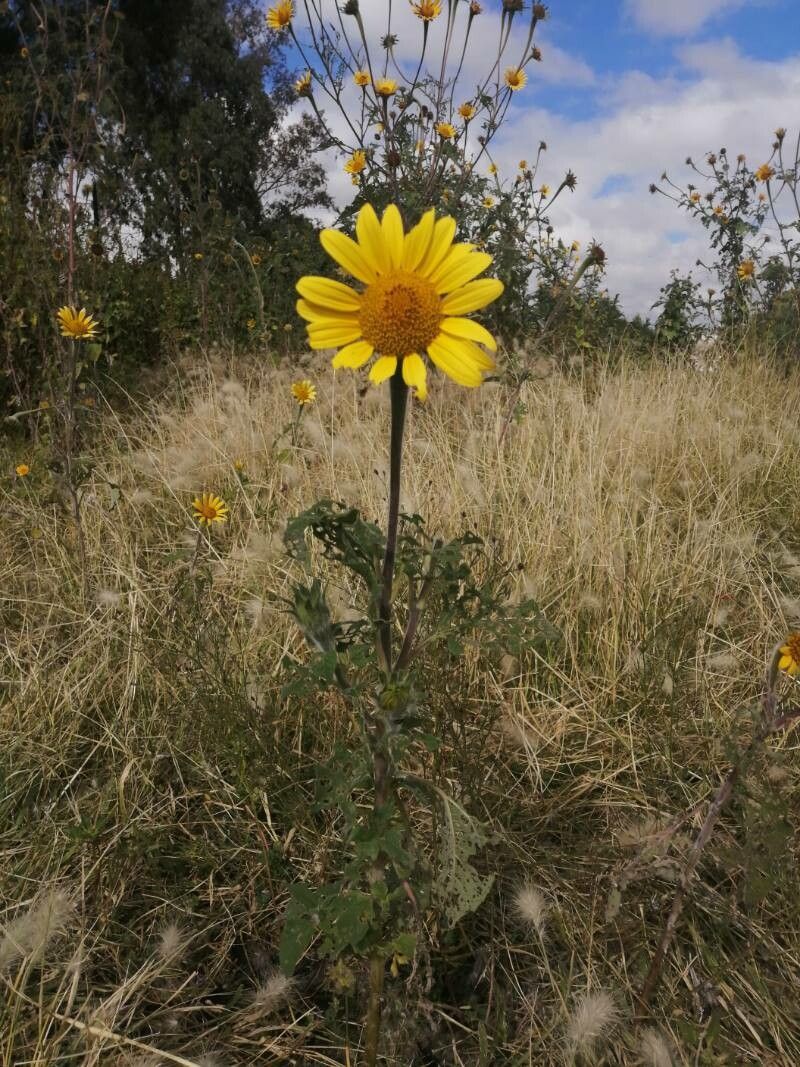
{"x":317,"y":315}
{"x":472,"y":296}
{"x":333,"y":336}
{"x":415,"y":374}
{"x":418,"y":241}
{"x":394,"y":240}
{"x":466,"y":352}
{"x":464,"y":372}
{"x":461,"y":271}
{"x":469,"y":329}
{"x":329,"y":293}
{"x":371,"y":240}
{"x":382,"y":369}
{"x":354,"y":355}
{"x":443,"y":234}
{"x":348,"y":255}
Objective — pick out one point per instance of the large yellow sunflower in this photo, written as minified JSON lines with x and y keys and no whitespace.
{"x":280,"y":15}
{"x":418,"y":285}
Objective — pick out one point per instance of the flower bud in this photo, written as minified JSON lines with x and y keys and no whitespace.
{"x":351,"y":7}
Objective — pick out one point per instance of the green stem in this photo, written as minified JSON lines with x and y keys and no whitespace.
{"x":399,"y":397}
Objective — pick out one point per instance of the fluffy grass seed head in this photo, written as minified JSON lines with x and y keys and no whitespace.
{"x":280,"y":15}
{"x":75,"y":324}
{"x":209,"y":509}
{"x":790,"y":655}
{"x":304,"y":392}
{"x":418,"y":286}
{"x":594,"y":1015}
{"x":515,"y":79}
{"x":427,"y":10}
{"x":654,"y":1050}
{"x":531,"y":907}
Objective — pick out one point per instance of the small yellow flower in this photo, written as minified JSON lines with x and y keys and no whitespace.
{"x":238,"y":465}
{"x":427,"y":10}
{"x":77,"y":324}
{"x":419,"y":146}
{"x":446,"y":130}
{"x":719,"y":210}
{"x":22,"y":470}
{"x":488,"y":201}
{"x":467,"y":112}
{"x":280,"y":15}
{"x":255,"y":259}
{"x":790,"y":655}
{"x":515,"y":79}
{"x":303,"y":84}
{"x":304,"y":392}
{"x":362,"y":78}
{"x":379,"y":127}
{"x":574,"y":246}
{"x":398,"y":961}
{"x":251,"y":324}
{"x":44,"y":405}
{"x":198,"y":256}
{"x":523,"y":164}
{"x":765,"y":172}
{"x":24,"y":53}
{"x":385,"y":87}
{"x":762,"y":198}
{"x":545,"y":191}
{"x":695,"y":198}
{"x":356,"y":162}
{"x":746,"y":270}
{"x":493,"y":168}
{"x":209,"y":509}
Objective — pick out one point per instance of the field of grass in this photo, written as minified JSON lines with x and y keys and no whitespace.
{"x":156,"y":793}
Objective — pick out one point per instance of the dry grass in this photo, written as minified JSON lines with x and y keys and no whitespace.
{"x":151,"y":777}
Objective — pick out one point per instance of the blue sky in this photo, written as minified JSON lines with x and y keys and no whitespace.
{"x":627,"y":89}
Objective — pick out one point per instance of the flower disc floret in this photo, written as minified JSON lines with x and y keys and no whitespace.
{"x":417,"y":288}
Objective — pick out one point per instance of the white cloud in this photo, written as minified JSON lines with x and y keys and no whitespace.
{"x":677,"y":17}
{"x":649,"y":126}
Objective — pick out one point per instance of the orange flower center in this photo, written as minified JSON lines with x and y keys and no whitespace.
{"x":793,"y":644}
{"x":400,"y":314}
{"x":208,"y":510}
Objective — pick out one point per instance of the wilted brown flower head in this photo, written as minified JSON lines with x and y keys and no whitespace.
{"x":711,"y":159}
{"x":512,"y":5}
{"x":653,"y":187}
{"x":689,"y":162}
{"x":393,"y":157}
{"x":597,"y":253}
{"x":780,"y":133}
{"x":389,"y":41}
{"x":536,"y":53}
{"x":570,"y":181}
{"x":351,"y":7}
{"x":539,"y":11}
{"x":475,"y":8}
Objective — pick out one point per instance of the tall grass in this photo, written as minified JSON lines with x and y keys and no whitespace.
{"x":156,"y":790}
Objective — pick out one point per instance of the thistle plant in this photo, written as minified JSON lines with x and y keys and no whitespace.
{"x":752,"y":216}
{"x":423,"y":597}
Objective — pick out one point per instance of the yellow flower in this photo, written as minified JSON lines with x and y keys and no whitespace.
{"x":198,"y":256}
{"x":488,"y":201}
{"x":493,"y":168}
{"x":209,"y":508}
{"x":545,"y":191}
{"x":467,"y":111}
{"x":790,"y":655}
{"x":379,"y":127}
{"x":427,"y":10}
{"x":746,"y":270}
{"x":417,"y":288}
{"x":515,"y":79}
{"x":255,"y":259}
{"x":446,"y":130}
{"x":280,"y":15}
{"x":765,"y":172}
{"x":238,"y":465}
{"x":695,"y":198}
{"x":77,"y":324}
{"x":24,"y":53}
{"x":356,"y":162}
{"x":251,"y":324}
{"x":22,"y":470}
{"x":718,"y":210}
{"x":574,"y":246}
{"x":385,"y":87}
{"x":362,"y":78}
{"x":523,"y":164}
{"x":419,"y":146}
{"x":304,"y":392}
{"x":303,"y":84}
